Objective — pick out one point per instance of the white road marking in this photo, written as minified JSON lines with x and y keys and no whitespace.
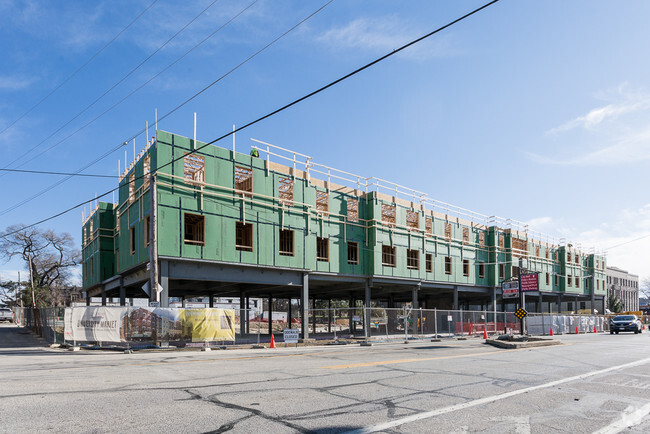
{"x":631,"y":416}
{"x":490,"y":399}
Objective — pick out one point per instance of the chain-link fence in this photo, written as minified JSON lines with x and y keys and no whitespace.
{"x":147,"y":327}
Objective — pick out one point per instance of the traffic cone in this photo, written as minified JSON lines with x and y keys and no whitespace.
{"x":577,"y":332}
{"x":595,"y":331}
{"x":272,"y":342}
{"x":551,"y":331}
{"x":485,"y":334}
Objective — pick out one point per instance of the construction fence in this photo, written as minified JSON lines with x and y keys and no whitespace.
{"x":152,"y":327}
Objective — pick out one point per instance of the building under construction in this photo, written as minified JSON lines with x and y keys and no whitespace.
{"x":197,"y":220}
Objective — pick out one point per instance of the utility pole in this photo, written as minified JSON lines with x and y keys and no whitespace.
{"x":31,"y":278}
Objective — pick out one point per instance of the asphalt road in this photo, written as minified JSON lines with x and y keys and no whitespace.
{"x":592,"y":383}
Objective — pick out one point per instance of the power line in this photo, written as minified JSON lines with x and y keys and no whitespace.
{"x":45,"y":172}
{"x":138,"y":88}
{"x":628,"y":242}
{"x":78,"y":69}
{"x":403,"y":47}
{"x":111,"y":88}
{"x":40,"y":193}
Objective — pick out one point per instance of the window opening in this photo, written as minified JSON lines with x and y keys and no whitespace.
{"x":322,"y":202}
{"x":448,"y":231}
{"x":412,"y":220}
{"x":412,"y":259}
{"x":353,"y":252}
{"x":194,"y":229}
{"x":428,"y":226}
{"x":286,"y":191}
{"x":481,"y":239}
{"x":465,"y":267}
{"x":447,"y":265}
{"x":131,"y":187}
{"x":501,"y":241}
{"x":132,"y":239}
{"x":388,"y":256}
{"x":353,"y":210}
{"x":388,"y":214}
{"x":429,"y":262}
{"x":519,"y":247}
{"x":147,"y":223}
{"x":244,"y":236}
{"x":194,"y":169}
{"x":481,"y":270}
{"x":502,"y":270}
{"x":147,"y":170}
{"x":243,"y":179}
{"x":322,"y":249}
{"x":465,"y":235}
{"x":286,"y":242}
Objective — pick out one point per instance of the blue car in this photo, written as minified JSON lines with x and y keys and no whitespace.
{"x":625,"y":323}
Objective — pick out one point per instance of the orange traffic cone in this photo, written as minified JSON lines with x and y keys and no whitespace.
{"x":551,"y":331}
{"x":485,"y":334}
{"x":272,"y":342}
{"x":595,"y":331}
{"x":577,"y":330}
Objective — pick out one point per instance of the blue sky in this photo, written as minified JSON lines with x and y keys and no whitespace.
{"x":535,"y":111}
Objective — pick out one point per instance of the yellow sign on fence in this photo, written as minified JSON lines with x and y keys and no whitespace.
{"x":201,"y":325}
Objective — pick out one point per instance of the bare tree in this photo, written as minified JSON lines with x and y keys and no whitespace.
{"x":9,"y":293}
{"x":49,"y":259}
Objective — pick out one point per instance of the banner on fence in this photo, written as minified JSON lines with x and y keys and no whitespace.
{"x":95,"y":324}
{"x":148,"y":324}
{"x":208,"y":324}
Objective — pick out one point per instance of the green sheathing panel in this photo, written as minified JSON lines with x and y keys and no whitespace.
{"x":130,"y":216}
{"x":97,"y":251}
{"x":221,"y":207}
{"x":435,"y":244}
{"x":497,"y":257}
{"x":597,"y":266}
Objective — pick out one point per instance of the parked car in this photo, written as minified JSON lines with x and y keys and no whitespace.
{"x":6,"y":314}
{"x":625,"y":323}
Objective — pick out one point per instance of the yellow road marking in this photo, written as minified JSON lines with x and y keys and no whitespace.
{"x":424,"y":359}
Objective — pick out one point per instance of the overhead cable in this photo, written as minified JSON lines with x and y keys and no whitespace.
{"x":78,"y":69}
{"x":403,"y":47}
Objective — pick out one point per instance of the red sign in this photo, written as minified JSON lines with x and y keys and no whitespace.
{"x":529,"y":282}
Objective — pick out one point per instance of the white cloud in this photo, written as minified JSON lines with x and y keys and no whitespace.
{"x":382,"y":35}
{"x":633,"y":147}
{"x":15,"y":83}
{"x":626,"y":241}
{"x":601,"y":114}
{"x":615,"y":133}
